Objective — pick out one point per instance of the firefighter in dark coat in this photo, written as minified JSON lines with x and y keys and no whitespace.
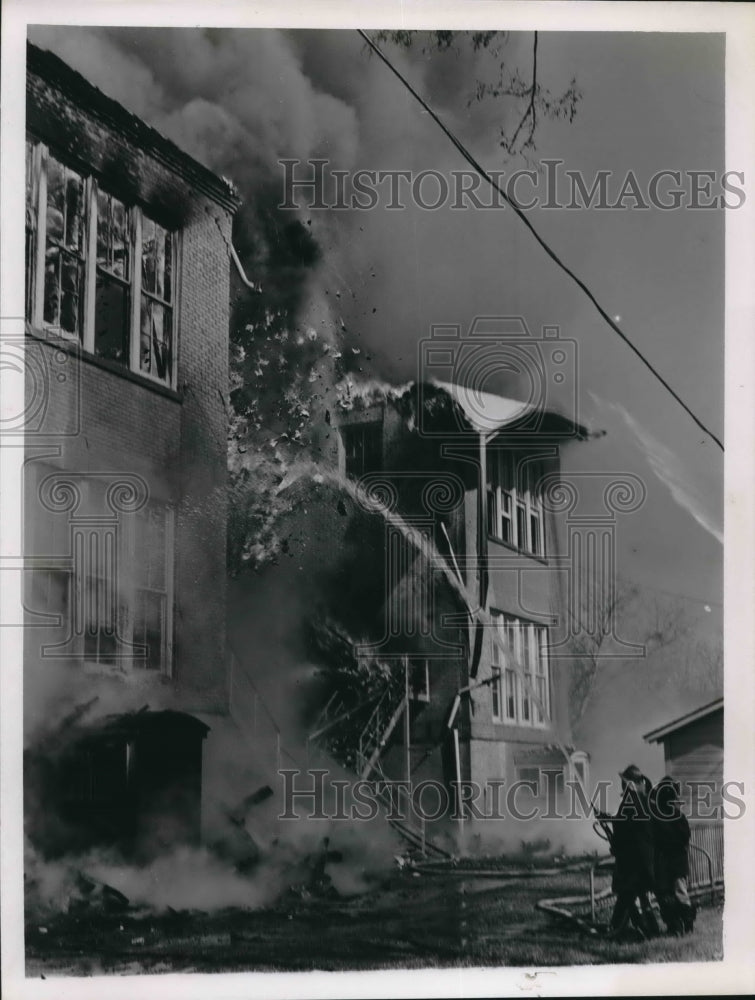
{"x":671,"y":836}
{"x":632,"y":845}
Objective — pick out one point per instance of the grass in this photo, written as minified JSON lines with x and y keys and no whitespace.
{"x":409,"y":922}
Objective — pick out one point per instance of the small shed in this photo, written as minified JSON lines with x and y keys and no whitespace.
{"x":693,"y":751}
{"x":693,"y":746}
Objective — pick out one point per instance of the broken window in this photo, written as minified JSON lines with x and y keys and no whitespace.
{"x":121,"y":292}
{"x":363,"y":448}
{"x":521,"y":685}
{"x":156,"y":311}
{"x":64,"y":250}
{"x":113,"y":287}
{"x":515,"y":510}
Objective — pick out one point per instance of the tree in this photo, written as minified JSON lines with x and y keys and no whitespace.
{"x":529,"y":100}
{"x":626,"y":612}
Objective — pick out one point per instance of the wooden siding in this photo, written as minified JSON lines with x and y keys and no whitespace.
{"x":696,"y":753}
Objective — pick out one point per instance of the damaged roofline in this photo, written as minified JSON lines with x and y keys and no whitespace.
{"x":50,"y":68}
{"x":489,"y":413}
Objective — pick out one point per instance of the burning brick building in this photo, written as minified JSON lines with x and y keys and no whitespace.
{"x":127,"y":314}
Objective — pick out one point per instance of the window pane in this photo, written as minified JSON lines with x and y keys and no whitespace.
{"x":111,"y":333}
{"x":168,"y":269}
{"x":74,"y":211}
{"x":506,"y":532}
{"x":156,"y":339}
{"x":525,"y":664}
{"x":65,"y":205}
{"x":496,"y":691}
{"x":521,"y":527}
{"x":148,"y":255}
{"x":157,"y":260}
{"x":112,"y":235}
{"x":160,"y":261}
{"x":510,"y":694}
{"x":149,"y":628}
{"x":52,"y":286}
{"x":70,"y":299}
{"x":56,"y":200}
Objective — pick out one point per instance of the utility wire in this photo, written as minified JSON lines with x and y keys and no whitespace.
{"x":551,"y":253}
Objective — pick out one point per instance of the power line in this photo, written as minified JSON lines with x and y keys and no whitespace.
{"x":551,"y":253}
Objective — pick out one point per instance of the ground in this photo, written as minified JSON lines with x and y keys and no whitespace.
{"x":408,"y":921}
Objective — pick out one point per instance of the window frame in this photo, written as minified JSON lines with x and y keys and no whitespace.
{"x":36,"y":236}
{"x":512,"y":479}
{"x":529,"y":641}
{"x":89,"y":586}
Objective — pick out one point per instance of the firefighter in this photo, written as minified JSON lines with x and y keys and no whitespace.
{"x":633,"y":848}
{"x":671,"y":836}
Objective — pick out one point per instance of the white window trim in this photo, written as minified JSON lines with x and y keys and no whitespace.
{"x":41,"y":154}
{"x":537,"y":666}
{"x":509,"y":467}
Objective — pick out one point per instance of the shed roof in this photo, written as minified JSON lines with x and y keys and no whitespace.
{"x":656,"y":735}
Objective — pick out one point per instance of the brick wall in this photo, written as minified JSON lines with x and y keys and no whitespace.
{"x":97,"y":418}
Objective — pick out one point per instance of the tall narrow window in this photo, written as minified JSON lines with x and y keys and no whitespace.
{"x":113,"y":290}
{"x":515,"y":514}
{"x":523,"y":665}
{"x":64,"y":250}
{"x":156,"y":307}
{"x":152,"y":570}
{"x":495,"y":690}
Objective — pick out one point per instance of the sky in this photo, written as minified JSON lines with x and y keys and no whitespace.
{"x":240,"y":100}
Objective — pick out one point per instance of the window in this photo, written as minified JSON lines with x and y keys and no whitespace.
{"x":98,"y":272}
{"x":363,"y":448}
{"x":515,"y":510}
{"x":542,"y":778}
{"x":520,"y":669}
{"x":47,"y":543}
{"x":579,"y":768}
{"x":108,"y":577}
{"x":64,"y":249}
{"x":113,"y":290}
{"x":156,"y":312}
{"x":152,"y":571}
{"x":419,"y":680}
